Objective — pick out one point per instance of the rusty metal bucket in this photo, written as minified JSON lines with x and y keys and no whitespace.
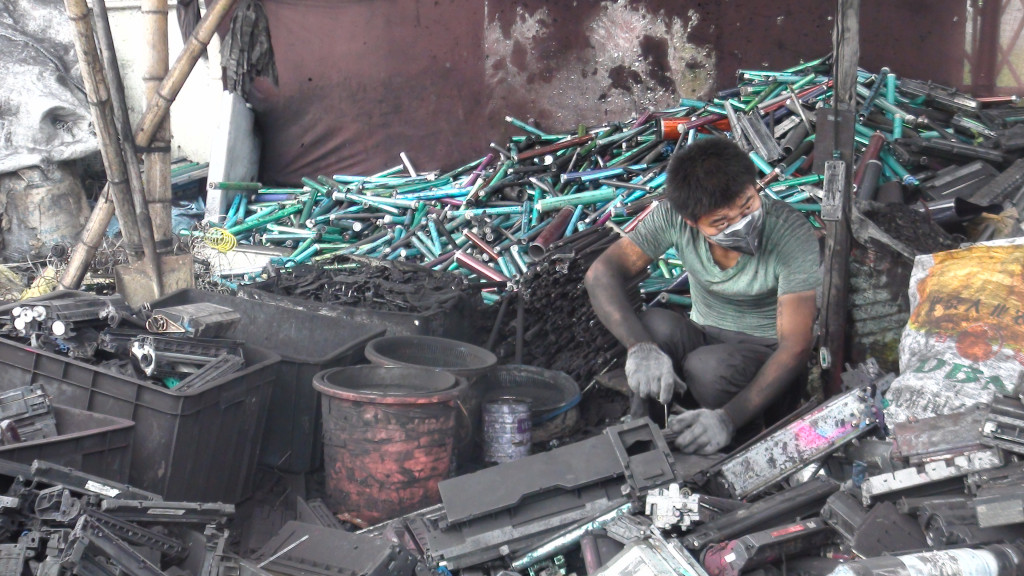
{"x":388,"y":435}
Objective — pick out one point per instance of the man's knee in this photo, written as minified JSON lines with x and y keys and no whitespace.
{"x":716,"y":373}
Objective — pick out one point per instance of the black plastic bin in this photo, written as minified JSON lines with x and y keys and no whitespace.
{"x":197,"y":447}
{"x":93,"y":443}
{"x":454,"y":323}
{"x":307,"y":343}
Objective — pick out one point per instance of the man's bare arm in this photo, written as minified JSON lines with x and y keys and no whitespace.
{"x":606,"y":282}
{"x":795,"y":324}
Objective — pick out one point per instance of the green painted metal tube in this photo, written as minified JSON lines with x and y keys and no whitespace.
{"x":488,"y":211}
{"x":307,"y":206}
{"x":809,"y":179}
{"x":760,"y":98}
{"x":761,"y":164}
{"x":581,"y":198}
{"x":526,"y":127}
{"x":253,"y":223}
{"x":864,"y":92}
{"x":234,"y":185}
{"x":314,"y":185}
{"x":901,"y":173}
{"x":809,"y":207}
{"x":807,"y":65}
{"x":423,"y":245}
{"x":677,"y":299}
{"x":303,"y":247}
{"x":868,"y":132}
{"x":690,"y":103}
{"x":897,"y":127}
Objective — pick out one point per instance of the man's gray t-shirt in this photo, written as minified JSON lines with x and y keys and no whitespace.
{"x":742,"y":298}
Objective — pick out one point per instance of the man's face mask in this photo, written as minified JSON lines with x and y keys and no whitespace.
{"x":743,"y":236}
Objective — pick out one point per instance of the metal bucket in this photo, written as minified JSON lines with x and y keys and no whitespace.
{"x":387,"y":438}
{"x":506,"y":427}
{"x":463,"y":360}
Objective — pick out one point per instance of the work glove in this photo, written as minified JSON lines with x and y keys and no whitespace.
{"x":649,"y":373}
{"x":702,"y":431}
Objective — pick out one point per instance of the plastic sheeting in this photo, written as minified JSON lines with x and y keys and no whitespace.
{"x":44,"y":114}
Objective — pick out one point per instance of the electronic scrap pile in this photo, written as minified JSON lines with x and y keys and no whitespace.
{"x":831,"y":490}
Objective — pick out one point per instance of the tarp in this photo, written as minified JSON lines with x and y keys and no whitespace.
{"x":44,"y":114}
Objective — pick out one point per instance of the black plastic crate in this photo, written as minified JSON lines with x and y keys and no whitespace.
{"x":200,"y":446}
{"x":307,"y":343}
{"x":454,"y":324}
{"x":93,"y":443}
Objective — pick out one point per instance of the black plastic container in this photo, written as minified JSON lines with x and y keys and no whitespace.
{"x":198,"y":447}
{"x":92,"y":443}
{"x":307,"y":343}
{"x":453,"y":323}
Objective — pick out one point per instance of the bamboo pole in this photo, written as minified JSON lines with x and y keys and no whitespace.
{"x":157,"y":158}
{"x":124,"y":130}
{"x":99,"y":101}
{"x":160,"y":103}
{"x":92,"y":237}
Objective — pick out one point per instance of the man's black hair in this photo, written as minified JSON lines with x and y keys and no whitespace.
{"x":709,"y":174}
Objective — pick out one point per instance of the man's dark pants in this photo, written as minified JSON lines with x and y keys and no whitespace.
{"x":716,"y":364}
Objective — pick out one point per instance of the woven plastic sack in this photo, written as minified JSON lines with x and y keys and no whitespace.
{"x":964,"y":341}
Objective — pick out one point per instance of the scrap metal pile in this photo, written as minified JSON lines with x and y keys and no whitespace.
{"x":375,"y":284}
{"x":497,"y":219}
{"x":553,"y":324}
{"x":179,"y":346}
{"x":829,"y":491}
{"x":56,"y":521}
{"x":494,"y":219}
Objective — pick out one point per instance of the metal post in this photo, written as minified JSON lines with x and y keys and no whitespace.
{"x":846,"y":47}
{"x":986,"y":48}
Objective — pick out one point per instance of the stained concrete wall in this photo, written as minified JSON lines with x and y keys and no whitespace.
{"x":362,"y":81}
{"x":194,"y":112}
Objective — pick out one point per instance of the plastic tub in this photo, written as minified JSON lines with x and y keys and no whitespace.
{"x":452,"y":356}
{"x":198,"y":447}
{"x":553,"y":396}
{"x":461,"y":359}
{"x":92,"y":443}
{"x":307,"y":343}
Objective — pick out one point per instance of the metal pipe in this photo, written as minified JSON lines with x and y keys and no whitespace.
{"x":880,"y":80}
{"x":556,"y":147}
{"x":581,"y":198}
{"x":553,"y":231}
{"x":569,"y":537}
{"x":479,"y":268}
{"x":480,"y":243}
{"x":590,"y":552}
{"x":870,"y":155}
